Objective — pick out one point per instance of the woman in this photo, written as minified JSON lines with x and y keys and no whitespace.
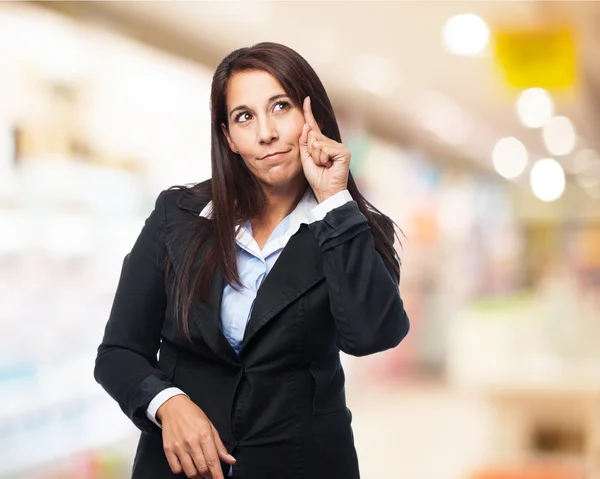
{"x":248,"y":286}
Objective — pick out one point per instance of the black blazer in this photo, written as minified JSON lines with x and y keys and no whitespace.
{"x":280,"y":405}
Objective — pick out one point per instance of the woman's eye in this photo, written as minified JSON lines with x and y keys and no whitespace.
{"x":243,"y":117}
{"x":281,"y":106}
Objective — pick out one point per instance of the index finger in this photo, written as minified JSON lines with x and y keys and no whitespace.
{"x":308,"y":115}
{"x":211,"y":457}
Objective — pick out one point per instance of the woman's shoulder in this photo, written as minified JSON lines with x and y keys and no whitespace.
{"x":190,"y":197}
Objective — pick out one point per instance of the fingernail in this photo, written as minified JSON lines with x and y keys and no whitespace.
{"x":232,"y":458}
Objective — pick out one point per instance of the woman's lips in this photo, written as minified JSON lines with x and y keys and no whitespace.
{"x":274,"y":156}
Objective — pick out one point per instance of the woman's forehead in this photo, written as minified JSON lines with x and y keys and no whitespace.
{"x":255,"y":86}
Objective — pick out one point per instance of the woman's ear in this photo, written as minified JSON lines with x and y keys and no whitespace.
{"x":229,"y":142}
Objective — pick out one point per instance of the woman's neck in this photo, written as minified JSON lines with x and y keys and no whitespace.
{"x":280,"y":203}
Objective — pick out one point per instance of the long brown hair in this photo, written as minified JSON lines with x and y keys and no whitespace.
{"x":236,"y":194}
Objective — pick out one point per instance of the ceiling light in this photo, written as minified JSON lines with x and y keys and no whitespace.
{"x":547,"y":179}
{"x":465,"y":34}
{"x":586,"y":167}
{"x":535,"y":107}
{"x":509,"y":157}
{"x":559,"y":135}
{"x":585,"y":162}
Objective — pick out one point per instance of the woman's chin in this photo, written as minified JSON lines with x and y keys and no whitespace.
{"x":280,"y":177}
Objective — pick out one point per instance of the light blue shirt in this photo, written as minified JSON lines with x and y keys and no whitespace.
{"x":254,"y":265}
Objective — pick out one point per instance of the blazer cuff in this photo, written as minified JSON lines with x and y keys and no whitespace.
{"x":137,"y":407}
{"x":161,"y":398}
{"x":339,"y":225}
{"x":335,"y":201}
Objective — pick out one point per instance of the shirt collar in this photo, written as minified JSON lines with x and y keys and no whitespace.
{"x":301,"y":214}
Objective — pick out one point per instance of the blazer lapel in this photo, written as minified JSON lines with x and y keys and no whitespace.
{"x":298,"y":268}
{"x":206,"y":318}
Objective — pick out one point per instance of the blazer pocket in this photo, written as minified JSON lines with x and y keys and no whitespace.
{"x":167,"y":360}
{"x":328,"y":380}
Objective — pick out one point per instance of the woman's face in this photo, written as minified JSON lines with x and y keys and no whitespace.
{"x":264,"y":127}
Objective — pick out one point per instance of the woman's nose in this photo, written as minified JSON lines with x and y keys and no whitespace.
{"x":267,"y":131}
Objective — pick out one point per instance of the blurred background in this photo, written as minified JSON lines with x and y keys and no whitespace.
{"x":474,"y":125}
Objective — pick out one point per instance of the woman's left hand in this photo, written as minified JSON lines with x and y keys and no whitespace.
{"x":326,"y":163}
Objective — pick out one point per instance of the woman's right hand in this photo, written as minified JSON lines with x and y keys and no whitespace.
{"x":191,"y":442}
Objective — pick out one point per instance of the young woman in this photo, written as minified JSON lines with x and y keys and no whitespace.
{"x":248,"y":286}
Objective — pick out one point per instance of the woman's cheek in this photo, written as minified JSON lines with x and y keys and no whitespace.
{"x":293,"y":128}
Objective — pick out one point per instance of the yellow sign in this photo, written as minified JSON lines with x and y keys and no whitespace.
{"x":544,"y":58}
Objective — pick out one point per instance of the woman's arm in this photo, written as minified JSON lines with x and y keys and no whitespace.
{"x":363,"y":287}
{"x":126,"y":364}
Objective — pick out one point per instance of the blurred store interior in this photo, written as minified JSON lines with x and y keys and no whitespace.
{"x":474,"y":125}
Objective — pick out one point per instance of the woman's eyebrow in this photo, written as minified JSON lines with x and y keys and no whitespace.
{"x":244,"y":107}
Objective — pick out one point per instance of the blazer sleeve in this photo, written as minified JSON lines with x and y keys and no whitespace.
{"x":363,"y":287}
{"x":126,"y":363}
